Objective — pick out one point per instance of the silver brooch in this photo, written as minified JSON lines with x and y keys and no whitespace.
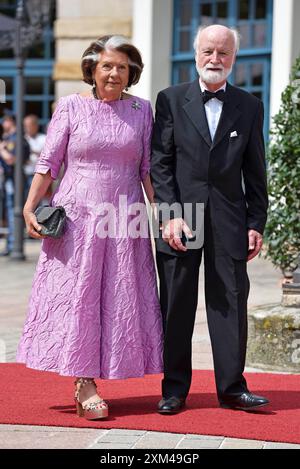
{"x":135,"y":105}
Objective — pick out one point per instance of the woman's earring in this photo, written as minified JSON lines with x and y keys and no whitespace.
{"x":126,"y":89}
{"x":94,"y":92}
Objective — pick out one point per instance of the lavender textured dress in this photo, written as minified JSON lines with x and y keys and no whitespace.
{"x":94,"y":308}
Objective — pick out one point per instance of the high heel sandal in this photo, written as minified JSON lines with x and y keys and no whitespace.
{"x":92,"y":410}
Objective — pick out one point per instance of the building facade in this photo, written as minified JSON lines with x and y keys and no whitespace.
{"x":270,"y":43}
{"x":164,"y":31}
{"x":39,"y":85}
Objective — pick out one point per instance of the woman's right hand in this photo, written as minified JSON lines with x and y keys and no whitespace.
{"x":32,"y":225}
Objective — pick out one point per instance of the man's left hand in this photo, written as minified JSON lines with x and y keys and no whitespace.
{"x":255,"y":242}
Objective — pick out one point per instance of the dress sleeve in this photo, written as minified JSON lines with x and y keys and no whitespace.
{"x":54,"y":149}
{"x":148,"y":126}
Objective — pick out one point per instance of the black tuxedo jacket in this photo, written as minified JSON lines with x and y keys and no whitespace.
{"x":229,"y":172}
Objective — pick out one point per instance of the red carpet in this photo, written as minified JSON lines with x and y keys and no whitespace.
{"x":41,"y":398}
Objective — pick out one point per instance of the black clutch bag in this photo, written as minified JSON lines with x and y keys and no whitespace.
{"x":52,"y":220}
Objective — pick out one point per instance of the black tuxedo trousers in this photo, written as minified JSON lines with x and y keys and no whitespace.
{"x":226,"y":293}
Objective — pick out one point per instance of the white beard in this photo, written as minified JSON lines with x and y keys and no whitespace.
{"x":213,"y":77}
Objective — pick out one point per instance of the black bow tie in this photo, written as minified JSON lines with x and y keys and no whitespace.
{"x":207,"y":95}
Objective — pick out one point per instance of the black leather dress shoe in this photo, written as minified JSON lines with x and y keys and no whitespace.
{"x":171,"y":405}
{"x":245,"y":401}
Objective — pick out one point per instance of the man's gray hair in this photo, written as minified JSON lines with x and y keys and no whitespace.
{"x":234,"y":31}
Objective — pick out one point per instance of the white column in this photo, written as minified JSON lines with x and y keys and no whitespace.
{"x":152,"y":34}
{"x":142,"y":39}
{"x":284,"y":47}
{"x":296,"y":31}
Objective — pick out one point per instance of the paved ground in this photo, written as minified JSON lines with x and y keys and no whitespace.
{"x":15,"y":282}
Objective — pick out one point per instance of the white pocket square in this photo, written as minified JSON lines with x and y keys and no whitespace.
{"x":233,"y":134}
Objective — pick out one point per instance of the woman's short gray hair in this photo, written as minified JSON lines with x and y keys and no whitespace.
{"x":234,"y":31}
{"x":91,"y":55}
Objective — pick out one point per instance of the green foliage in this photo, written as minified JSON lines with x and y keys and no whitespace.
{"x":282,"y":234}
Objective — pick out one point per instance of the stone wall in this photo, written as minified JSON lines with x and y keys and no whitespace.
{"x":274,"y":338}
{"x":78,"y":23}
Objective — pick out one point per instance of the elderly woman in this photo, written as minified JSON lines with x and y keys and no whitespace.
{"x":94,"y":310}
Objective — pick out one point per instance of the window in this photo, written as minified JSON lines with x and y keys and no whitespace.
{"x":38,"y":86}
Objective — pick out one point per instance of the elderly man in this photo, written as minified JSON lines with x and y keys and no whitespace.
{"x":207,"y":139}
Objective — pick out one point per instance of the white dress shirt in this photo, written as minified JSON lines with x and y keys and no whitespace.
{"x":213,"y":109}
{"x":36,"y":145}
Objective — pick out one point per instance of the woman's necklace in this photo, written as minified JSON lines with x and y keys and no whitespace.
{"x":94,"y":92}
